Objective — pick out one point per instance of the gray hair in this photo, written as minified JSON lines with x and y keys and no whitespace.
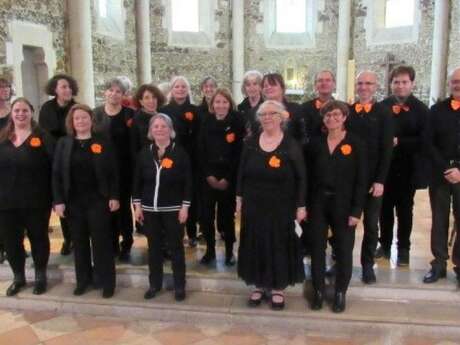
{"x":325,"y":71}
{"x":128,"y":84}
{"x":166,"y":119}
{"x":116,"y":82}
{"x":253,"y":74}
{"x":280,"y":108}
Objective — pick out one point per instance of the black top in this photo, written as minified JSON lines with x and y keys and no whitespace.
{"x":313,"y":121}
{"x":246,"y":112}
{"x":52,"y":117}
{"x":139,"y":131}
{"x":83,"y":178}
{"x":376,"y":131}
{"x":25,"y":172}
{"x":220,"y":146}
{"x":98,"y":154}
{"x":280,"y":173}
{"x":203,"y":110}
{"x":443,"y":138}
{"x":409,"y":160}
{"x":4,"y":121}
{"x":344,"y":172}
{"x":162,"y":185}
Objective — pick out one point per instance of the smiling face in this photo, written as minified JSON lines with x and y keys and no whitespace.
{"x":252,"y":87}
{"x":273,"y":91}
{"x":270,"y":118}
{"x":114,"y":95}
{"x":402,"y":86}
{"x":366,"y":86}
{"x":159,"y":130}
{"x":82,"y":123}
{"x":334,"y":119}
{"x":21,"y":114}
{"x":454,"y":84}
{"x":179,"y":91}
{"x":208,"y":89}
{"x":63,"y":91}
{"x":221,"y":106}
{"x":149,"y":102}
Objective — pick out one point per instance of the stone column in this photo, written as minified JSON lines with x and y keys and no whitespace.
{"x":144,"y":54}
{"x":439,"y":54}
{"x":81,"y":49}
{"x":343,"y":48}
{"x":237,"y":48}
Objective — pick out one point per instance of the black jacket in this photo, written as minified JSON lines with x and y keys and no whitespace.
{"x":348,"y":166}
{"x":105,"y":167}
{"x":139,"y":131}
{"x":312,"y":119}
{"x":410,"y":160}
{"x":376,"y":131}
{"x":25,"y":172}
{"x":162,"y":185}
{"x":52,"y":117}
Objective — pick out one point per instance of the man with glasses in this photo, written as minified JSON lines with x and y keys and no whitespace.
{"x":443,"y":142}
{"x":371,"y":121}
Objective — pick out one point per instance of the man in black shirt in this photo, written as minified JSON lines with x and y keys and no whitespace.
{"x":443,"y":142}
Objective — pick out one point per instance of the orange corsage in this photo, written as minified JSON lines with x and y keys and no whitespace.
{"x":189,"y":116}
{"x":35,"y":142}
{"x":167,"y":163}
{"x":96,"y":149}
{"x":346,"y":149}
{"x":230,"y":138}
{"x":129,"y":123}
{"x":274,"y":162}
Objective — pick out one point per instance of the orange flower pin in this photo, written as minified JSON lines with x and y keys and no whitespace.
{"x":167,"y":163}
{"x":274,"y":162}
{"x":129,"y":123}
{"x":96,"y":149}
{"x":189,"y":116}
{"x":35,"y":142}
{"x":230,"y":137}
{"x":346,"y":149}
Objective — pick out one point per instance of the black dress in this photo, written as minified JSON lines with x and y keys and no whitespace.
{"x":272,"y":186}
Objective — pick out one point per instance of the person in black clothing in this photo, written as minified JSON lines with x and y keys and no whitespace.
{"x":372,"y":122}
{"x":252,"y":89}
{"x":115,"y":121}
{"x":5,"y":107}
{"x":186,"y":124}
{"x":270,"y":193}
{"x":443,"y":142}
{"x":337,"y":165}
{"x":208,"y":86}
{"x":408,"y":164}
{"x":85,"y":191}
{"x":26,"y":154}
{"x":161,"y":196}
{"x":219,"y":151}
{"x":52,"y":119}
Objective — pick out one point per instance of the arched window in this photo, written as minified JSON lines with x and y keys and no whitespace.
{"x":110,"y":19}
{"x":291,"y":16}
{"x":185,"y":15}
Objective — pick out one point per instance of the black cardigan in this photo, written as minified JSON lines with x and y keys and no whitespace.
{"x":105,"y":167}
{"x":52,"y":117}
{"x":349,"y":164}
{"x":25,"y":172}
{"x":162,"y":185}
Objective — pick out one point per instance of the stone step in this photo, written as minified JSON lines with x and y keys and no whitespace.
{"x":128,"y":303}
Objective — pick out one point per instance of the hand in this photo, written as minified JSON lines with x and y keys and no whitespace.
{"x":114,"y":205}
{"x":138,"y":214}
{"x":213,"y":182}
{"x":301,"y":214}
{"x":376,"y":189}
{"x":452,"y":175}
{"x":395,"y":141}
{"x":60,"y":210}
{"x":353,"y":221}
{"x":239,"y":203}
{"x":223,"y":184}
{"x":183,"y":214}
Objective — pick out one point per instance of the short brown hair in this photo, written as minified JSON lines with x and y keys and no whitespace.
{"x":333,"y":105}
{"x":50,"y":87}
{"x":224,"y":92}
{"x":403,"y":69}
{"x":69,"y":118}
{"x":273,"y":79}
{"x":155,"y":91}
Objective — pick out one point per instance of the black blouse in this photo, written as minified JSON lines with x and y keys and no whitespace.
{"x":52,"y":117}
{"x":82,"y":174}
{"x":4,"y":121}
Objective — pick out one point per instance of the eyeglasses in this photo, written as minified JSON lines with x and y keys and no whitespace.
{"x":269,"y":113}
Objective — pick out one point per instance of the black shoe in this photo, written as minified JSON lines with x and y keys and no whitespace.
{"x":150,"y":293}
{"x":339,"y":302}
{"x":40,"y":284}
{"x":208,"y":258}
{"x":382,"y":252}
{"x":192,"y":242}
{"x":66,"y":248}
{"x":230,"y":261}
{"x":108,"y":292}
{"x":2,"y":256}
{"x":179,"y":295}
{"x":403,"y":258}
{"x":434,"y":275}
{"x":332,"y":271}
{"x":125,"y":256}
{"x":15,"y":287}
{"x":277,"y":305}
{"x":318,"y":299}
{"x":368,"y":276}
{"x":256,"y":298}
{"x":80,"y":290}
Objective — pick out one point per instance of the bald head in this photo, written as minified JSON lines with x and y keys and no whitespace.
{"x":454,"y":83}
{"x":366,"y":86}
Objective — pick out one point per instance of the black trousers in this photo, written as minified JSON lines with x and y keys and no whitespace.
{"x":65,"y":230}
{"x":160,"y":227}
{"x":35,"y":222}
{"x":192,"y":219}
{"x":371,"y":230}
{"x":89,"y":222}
{"x":441,"y":197}
{"x":325,"y":214}
{"x":122,"y":224}
{"x":225,"y":202}
{"x":399,"y":195}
